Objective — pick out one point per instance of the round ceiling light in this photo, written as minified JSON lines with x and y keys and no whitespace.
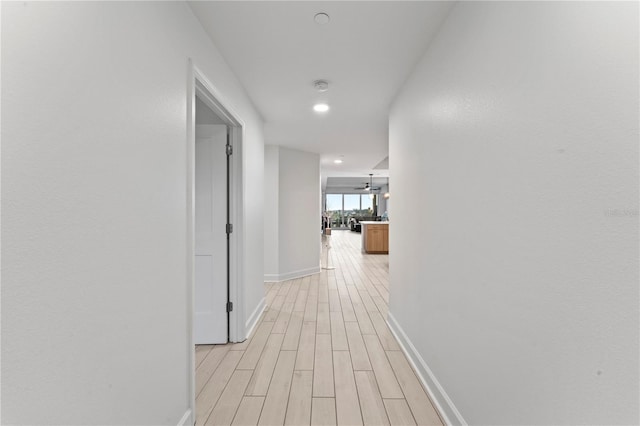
{"x":338,"y":161}
{"x":321,"y":107}
{"x":321,"y":18}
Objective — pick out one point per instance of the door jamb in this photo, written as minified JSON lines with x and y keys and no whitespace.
{"x":199,"y":84}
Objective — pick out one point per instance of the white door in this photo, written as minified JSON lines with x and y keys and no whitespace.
{"x":210,"y":322}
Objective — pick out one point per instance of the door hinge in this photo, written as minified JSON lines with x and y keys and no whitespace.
{"x":229,"y":149}
{"x":229,"y":306}
{"x":229,"y":228}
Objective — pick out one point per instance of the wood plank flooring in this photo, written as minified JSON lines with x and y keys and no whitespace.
{"x":322,"y":354}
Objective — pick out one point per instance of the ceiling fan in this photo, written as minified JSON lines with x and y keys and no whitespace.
{"x":369,"y":185}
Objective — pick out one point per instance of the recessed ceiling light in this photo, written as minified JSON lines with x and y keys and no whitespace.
{"x":321,"y":18}
{"x":321,"y":107}
{"x":338,"y":161}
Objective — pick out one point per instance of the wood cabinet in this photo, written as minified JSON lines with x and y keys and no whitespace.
{"x":375,"y":237}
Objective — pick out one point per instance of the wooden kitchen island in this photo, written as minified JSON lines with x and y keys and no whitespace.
{"x":375,"y":237}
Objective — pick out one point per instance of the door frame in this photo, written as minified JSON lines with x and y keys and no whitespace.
{"x":199,"y":84}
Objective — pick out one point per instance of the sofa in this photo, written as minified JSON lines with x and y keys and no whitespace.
{"x":354,"y":223}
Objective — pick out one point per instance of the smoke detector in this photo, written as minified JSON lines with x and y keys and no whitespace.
{"x":321,"y":85}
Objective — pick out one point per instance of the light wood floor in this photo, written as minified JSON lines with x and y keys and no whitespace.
{"x":322,"y":354}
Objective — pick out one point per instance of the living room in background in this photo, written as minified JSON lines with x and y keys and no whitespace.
{"x":343,"y":208}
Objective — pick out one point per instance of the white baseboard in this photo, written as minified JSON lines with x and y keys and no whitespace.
{"x":275,"y":278}
{"x":271,"y":278}
{"x":253,"y":319}
{"x":445,"y":406}
{"x":186,"y":419}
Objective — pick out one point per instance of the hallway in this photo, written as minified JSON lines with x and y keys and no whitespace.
{"x":321,"y":354}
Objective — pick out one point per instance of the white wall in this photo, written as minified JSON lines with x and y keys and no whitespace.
{"x":94,"y":291}
{"x":271,"y":210}
{"x":204,"y":114}
{"x":299,"y":213}
{"x":383,"y":202}
{"x":518,"y":285}
{"x":292,"y":186}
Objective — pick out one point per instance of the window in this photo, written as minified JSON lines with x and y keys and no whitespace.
{"x":342,"y":207}
{"x":351,"y":205}
{"x":334,"y":208}
{"x":367,"y":205}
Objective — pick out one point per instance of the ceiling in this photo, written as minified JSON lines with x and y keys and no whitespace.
{"x":365,"y":52}
{"x":352,"y":185}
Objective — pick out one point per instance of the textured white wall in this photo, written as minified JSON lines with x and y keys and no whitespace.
{"x":94,"y":292}
{"x":271,"y":209}
{"x":514,"y":239}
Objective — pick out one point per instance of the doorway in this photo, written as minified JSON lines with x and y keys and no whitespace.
{"x":210,"y":320}
{"x":215,"y":211}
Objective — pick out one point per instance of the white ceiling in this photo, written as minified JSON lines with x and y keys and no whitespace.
{"x":353,"y":185}
{"x":365,"y":52}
